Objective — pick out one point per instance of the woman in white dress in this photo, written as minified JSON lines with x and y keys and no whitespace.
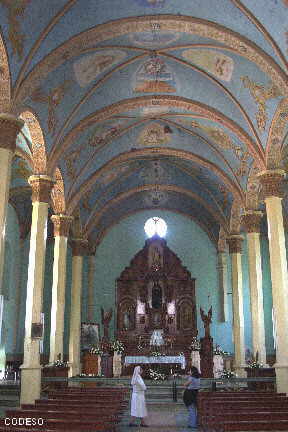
{"x":138,"y":404}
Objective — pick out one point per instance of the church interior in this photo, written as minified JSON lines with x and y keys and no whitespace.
{"x":120,"y":115}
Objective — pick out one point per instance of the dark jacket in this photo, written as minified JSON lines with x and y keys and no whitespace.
{"x":190,"y":397}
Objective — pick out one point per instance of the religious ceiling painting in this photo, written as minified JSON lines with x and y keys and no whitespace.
{"x":154,"y":76}
{"x":53,"y":99}
{"x":154,"y":39}
{"x":89,"y":67}
{"x":214,"y":62}
{"x":156,"y":198}
{"x":154,"y":173}
{"x":155,"y":134}
{"x":111,"y":175}
{"x":101,"y":134}
{"x":16,"y":14}
{"x":151,"y":3}
{"x":261,"y":94}
{"x":155,"y":110}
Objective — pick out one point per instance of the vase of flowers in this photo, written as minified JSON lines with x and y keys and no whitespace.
{"x":117,"y":347}
{"x":96,"y":350}
{"x":195,"y":344}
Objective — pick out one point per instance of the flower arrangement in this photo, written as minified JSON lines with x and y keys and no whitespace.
{"x":117,"y":346}
{"x":156,"y":354}
{"x":60,"y":364}
{"x":156,"y":375}
{"x":195,"y":344}
{"x":180,"y":354}
{"x":254,"y":363}
{"x":227,"y":373}
{"x":96,"y":351}
{"x":219,"y":351}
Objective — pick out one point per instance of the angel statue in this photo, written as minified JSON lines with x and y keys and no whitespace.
{"x":207,"y":319}
{"x":106,"y":318}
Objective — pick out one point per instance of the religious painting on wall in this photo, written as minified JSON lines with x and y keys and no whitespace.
{"x":154,"y":76}
{"x":218,"y":64}
{"x":185,"y":315}
{"x":127,"y":316}
{"x":89,"y":335}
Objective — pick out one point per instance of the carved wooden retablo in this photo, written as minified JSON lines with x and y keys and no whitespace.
{"x":156,"y":294}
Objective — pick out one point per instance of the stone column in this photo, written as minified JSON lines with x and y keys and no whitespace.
{"x":90,"y":300}
{"x":223,"y":284}
{"x":31,"y":370}
{"x":10,"y":126}
{"x":251,"y":223}
{"x":235,"y":250}
{"x":272,"y":182}
{"x":61,"y":231}
{"x":79,"y":249}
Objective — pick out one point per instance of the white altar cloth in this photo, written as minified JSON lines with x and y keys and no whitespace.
{"x":160,"y":359}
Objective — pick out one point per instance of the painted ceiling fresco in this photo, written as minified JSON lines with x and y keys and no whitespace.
{"x":147,"y":103}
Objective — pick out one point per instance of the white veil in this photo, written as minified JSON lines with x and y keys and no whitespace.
{"x":136,"y":374}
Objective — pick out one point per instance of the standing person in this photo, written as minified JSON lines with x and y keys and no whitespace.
{"x":138,"y":404}
{"x":190,"y":396}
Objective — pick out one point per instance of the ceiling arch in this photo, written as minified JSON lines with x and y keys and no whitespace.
{"x":5,"y":80}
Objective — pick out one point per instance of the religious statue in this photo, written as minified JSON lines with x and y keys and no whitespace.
{"x":207,"y":319}
{"x":106,"y":318}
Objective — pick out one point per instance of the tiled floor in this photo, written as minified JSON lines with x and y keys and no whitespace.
{"x":161,"y":418}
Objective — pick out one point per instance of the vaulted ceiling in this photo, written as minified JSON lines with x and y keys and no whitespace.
{"x":147,"y":104}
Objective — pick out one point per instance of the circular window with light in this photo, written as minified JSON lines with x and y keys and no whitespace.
{"x":155,"y":226}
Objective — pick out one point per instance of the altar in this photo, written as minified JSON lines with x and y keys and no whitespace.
{"x":155,"y":360}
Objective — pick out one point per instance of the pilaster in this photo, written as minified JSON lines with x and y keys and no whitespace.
{"x":61,"y":231}
{"x":79,"y":249}
{"x":251,"y":221}
{"x":31,"y":369}
{"x":272,"y":188}
{"x":235,"y":250}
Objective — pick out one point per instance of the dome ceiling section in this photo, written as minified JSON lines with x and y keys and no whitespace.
{"x":86,"y":157}
{"x":182,"y":24}
{"x":273,"y":17}
{"x":103,"y":11}
{"x":157,"y":173}
{"x":175,"y":201}
{"x":22,"y":23}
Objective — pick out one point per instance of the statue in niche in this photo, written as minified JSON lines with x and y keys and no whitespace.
{"x":156,"y":259}
{"x":186,"y":316}
{"x":128,"y":321}
{"x":156,"y":296}
{"x":207,"y":320}
{"x":106,"y":318}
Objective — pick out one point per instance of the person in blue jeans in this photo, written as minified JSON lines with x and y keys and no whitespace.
{"x":190,"y":396}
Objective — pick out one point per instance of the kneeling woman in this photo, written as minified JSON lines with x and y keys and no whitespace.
{"x":190,"y":396}
{"x":138,"y":404}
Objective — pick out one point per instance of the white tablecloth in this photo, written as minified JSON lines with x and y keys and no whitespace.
{"x":160,"y":359}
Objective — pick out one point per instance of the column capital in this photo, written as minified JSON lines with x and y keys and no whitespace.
{"x":272,"y":182}
{"x":61,"y":224}
{"x":10,"y":126}
{"x":235,"y":243}
{"x":80,"y":247}
{"x":251,"y":221}
{"x":41,"y":187}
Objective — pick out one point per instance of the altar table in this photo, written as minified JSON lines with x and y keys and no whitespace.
{"x":153,"y":359}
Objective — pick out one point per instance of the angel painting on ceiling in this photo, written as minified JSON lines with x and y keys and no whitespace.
{"x":154,"y":76}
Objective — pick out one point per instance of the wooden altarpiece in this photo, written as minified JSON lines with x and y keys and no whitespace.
{"x":156,"y":292}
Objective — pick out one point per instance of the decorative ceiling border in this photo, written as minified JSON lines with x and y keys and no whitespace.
{"x":5,"y":78}
{"x":157,"y":100}
{"x":184,"y":24}
{"x":153,"y":152}
{"x":276,"y":135}
{"x":96,"y":216}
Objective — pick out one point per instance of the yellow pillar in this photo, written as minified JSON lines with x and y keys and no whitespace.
{"x":90,"y":302}
{"x":251,"y":222}
{"x":31,"y":370}
{"x":272,"y":182}
{"x":78,"y":251}
{"x":235,"y":250}
{"x":61,"y":231}
{"x":223,"y":284}
{"x":10,"y":126}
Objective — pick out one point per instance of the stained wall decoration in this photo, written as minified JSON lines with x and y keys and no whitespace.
{"x":16,"y":14}
{"x":53,"y":100}
{"x":154,"y":39}
{"x":154,"y":173}
{"x":89,"y":67}
{"x":154,"y":76}
{"x":154,"y":135}
{"x":110,"y":176}
{"x":261,"y":94}
{"x":155,"y":198}
{"x":214,"y":62}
